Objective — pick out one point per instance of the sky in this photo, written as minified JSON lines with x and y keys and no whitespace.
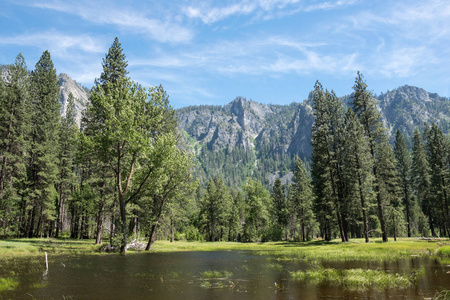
{"x":210,"y":52}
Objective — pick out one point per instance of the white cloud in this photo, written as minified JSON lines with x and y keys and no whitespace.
{"x":123,"y":17}
{"x":57,"y":42}
{"x":266,"y":9}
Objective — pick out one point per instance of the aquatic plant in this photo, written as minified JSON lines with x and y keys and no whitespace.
{"x":8,"y":284}
{"x":216,"y":274}
{"x":443,"y":252}
{"x":353,"y":278}
{"x":442,"y":295}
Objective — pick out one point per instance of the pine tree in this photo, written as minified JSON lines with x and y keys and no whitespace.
{"x":358,"y":168}
{"x":68,"y":138}
{"x":279,"y":207}
{"x":421,"y":178}
{"x":403,"y":160}
{"x":215,"y":209}
{"x":327,"y":173}
{"x":14,"y":100}
{"x":43,"y":159}
{"x":257,"y":202}
{"x":437,"y":149}
{"x":114,"y":65}
{"x":301,"y":200}
{"x":365,"y":107}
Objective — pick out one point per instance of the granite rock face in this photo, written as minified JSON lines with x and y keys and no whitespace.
{"x":276,"y":132}
{"x":81,"y":95}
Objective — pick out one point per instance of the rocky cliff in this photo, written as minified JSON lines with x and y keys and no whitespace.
{"x":246,"y":138}
{"x":81,"y":95}
{"x":275,"y":134}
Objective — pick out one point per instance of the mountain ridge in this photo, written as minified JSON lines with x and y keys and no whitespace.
{"x":245,"y":138}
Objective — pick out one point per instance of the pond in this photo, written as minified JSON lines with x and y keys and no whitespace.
{"x":216,"y":275}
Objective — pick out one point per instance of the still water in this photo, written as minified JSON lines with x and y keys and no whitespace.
{"x":203,"y":275}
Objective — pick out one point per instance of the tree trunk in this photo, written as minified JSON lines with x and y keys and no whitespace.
{"x":123,"y":220}
{"x":113,"y":221}
{"x":60,"y":209}
{"x":151,"y":240}
{"x":101,"y":212}
{"x":408,"y":221}
{"x":363,"y":206}
{"x":172,"y":231}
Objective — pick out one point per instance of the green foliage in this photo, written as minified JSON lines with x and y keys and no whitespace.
{"x":403,"y":160}
{"x":438,"y":159}
{"x":354,"y":278}
{"x":8,"y":284}
{"x":257,"y":202}
{"x":301,"y":198}
{"x":384,"y":172}
{"x":215,"y":209}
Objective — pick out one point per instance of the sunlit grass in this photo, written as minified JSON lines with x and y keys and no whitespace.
{"x":358,"y":279}
{"x":335,"y":250}
{"x":356,"y":249}
{"x":444,"y":252}
{"x":8,"y":284}
{"x":36,"y":246}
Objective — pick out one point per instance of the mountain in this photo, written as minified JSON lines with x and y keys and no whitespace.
{"x":408,"y":107}
{"x":81,"y":95}
{"x":246,"y":138}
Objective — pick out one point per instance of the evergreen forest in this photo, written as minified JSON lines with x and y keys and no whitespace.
{"x":128,"y":173}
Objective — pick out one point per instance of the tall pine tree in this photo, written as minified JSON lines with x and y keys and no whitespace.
{"x":43,"y":158}
{"x":403,"y":160}
{"x":365,"y":107}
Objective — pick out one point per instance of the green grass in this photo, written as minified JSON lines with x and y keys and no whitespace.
{"x":8,"y":284}
{"x":318,"y":250}
{"x":443,"y":252}
{"x":358,"y":279}
{"x":356,"y":249}
{"x":35,"y":247}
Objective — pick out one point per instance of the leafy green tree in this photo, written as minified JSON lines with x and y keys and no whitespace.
{"x":171,"y":180}
{"x":130,"y":121}
{"x":403,"y":160}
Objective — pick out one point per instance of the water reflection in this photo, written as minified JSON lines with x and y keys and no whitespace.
{"x":204,"y":275}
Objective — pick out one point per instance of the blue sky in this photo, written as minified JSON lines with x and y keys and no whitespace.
{"x":209,"y":52}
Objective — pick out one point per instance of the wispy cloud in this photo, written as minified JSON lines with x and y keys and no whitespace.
{"x":124,"y":17}
{"x":265,"y":9}
{"x":56,"y":42}
{"x":231,"y":58}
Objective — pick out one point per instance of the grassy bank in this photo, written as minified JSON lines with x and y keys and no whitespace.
{"x":319,"y":250}
{"x":356,"y":249}
{"x":35,"y":247}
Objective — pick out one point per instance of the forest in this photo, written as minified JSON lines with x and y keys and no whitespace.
{"x":126,"y":173}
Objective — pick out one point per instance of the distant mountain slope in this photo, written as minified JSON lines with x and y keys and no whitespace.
{"x":409,"y":107}
{"x":68,"y":85}
{"x":246,"y":138}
